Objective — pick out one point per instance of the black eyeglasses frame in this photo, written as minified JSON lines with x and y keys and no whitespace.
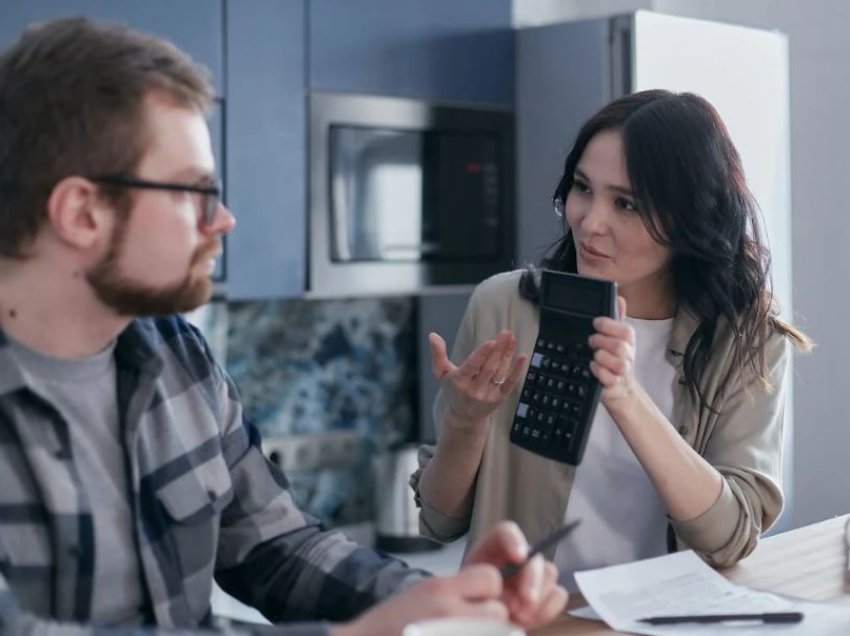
{"x":209,"y":202}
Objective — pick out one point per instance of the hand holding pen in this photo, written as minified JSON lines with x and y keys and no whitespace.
{"x":549,"y":540}
{"x":531,"y":593}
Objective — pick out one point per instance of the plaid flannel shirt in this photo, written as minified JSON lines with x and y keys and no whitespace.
{"x":206,"y":503}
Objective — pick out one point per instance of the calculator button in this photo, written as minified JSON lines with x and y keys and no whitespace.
{"x":521,"y":409}
{"x":536,"y":359}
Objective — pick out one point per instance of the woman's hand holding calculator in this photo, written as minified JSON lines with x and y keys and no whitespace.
{"x":613,"y":361}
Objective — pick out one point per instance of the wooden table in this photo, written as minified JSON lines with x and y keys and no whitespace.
{"x":807,"y":563}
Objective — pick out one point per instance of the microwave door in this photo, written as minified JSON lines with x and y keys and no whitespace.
{"x":376,"y":195}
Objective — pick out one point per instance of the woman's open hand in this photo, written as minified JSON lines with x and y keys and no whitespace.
{"x":481,"y":383}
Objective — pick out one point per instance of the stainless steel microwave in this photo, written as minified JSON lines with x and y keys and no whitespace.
{"x":407,"y":196}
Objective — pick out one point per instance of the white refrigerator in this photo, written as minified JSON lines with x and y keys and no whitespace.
{"x":567,"y":71}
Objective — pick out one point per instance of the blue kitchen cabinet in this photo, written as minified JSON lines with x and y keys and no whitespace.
{"x":440,"y":50}
{"x":255,"y":50}
{"x":265,"y":142}
{"x":193,"y":25}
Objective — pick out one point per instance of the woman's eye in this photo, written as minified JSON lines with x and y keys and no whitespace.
{"x":581,"y":186}
{"x":624,"y":204}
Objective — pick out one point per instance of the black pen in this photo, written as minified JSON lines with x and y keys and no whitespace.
{"x":767,"y":617}
{"x":510,"y":569}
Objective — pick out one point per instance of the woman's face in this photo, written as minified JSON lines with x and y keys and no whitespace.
{"x":611,"y":239}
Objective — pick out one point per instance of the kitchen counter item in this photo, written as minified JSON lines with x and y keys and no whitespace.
{"x":397,"y":522}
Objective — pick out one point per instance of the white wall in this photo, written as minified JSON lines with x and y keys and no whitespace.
{"x":820,"y":131}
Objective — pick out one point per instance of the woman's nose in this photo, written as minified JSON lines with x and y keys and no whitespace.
{"x":594,"y":220}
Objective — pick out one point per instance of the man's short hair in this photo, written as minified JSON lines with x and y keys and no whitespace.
{"x":71,"y":103}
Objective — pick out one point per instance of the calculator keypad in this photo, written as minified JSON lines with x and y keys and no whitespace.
{"x":556,"y":398}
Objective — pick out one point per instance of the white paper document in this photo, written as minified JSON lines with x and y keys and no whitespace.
{"x":682,"y":583}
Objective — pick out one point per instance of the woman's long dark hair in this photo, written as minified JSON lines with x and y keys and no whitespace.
{"x":687,"y":178}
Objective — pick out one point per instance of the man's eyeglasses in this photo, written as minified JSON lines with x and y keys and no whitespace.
{"x":210,"y":194}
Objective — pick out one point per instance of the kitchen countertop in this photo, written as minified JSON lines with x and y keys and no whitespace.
{"x":442,"y":561}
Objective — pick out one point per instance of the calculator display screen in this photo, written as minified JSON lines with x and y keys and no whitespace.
{"x":583,"y":299}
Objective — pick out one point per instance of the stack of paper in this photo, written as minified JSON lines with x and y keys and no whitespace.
{"x":683,"y":584}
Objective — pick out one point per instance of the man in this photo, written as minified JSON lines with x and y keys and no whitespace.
{"x":128,"y":478}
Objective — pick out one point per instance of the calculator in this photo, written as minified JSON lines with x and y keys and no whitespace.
{"x":560,"y":394}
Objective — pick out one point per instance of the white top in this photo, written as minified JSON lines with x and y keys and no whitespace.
{"x":622,"y":516}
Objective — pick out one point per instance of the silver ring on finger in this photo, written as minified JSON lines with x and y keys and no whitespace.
{"x":497,"y":381}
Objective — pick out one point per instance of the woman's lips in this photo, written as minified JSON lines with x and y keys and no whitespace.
{"x":589,"y":253}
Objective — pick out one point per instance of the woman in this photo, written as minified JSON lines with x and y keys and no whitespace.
{"x":687,"y":449}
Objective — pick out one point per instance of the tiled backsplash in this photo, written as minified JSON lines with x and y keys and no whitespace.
{"x":310,"y":366}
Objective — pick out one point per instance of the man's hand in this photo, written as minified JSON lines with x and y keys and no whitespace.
{"x":532,"y":595}
{"x":472,"y":592}
{"x":530,"y":598}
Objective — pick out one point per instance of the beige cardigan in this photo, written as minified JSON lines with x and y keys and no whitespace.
{"x":742,"y":440}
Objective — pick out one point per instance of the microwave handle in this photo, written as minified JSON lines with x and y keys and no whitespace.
{"x":339,"y":222}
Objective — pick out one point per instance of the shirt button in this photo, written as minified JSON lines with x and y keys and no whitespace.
{"x":683,"y":429}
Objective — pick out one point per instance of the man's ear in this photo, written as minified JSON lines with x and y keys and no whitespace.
{"x":78,"y":216}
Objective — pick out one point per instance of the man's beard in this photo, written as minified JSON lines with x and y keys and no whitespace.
{"x":130,"y":298}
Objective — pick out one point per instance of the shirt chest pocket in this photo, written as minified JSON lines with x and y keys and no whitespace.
{"x":193,"y":503}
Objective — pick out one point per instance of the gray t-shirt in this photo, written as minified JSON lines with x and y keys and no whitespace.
{"x":84,"y":391}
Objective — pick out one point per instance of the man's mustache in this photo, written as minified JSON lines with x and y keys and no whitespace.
{"x":204,"y":252}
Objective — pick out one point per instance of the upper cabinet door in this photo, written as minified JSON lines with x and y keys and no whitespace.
{"x":194,"y":25}
{"x":441,"y":50}
{"x":265,"y":148}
